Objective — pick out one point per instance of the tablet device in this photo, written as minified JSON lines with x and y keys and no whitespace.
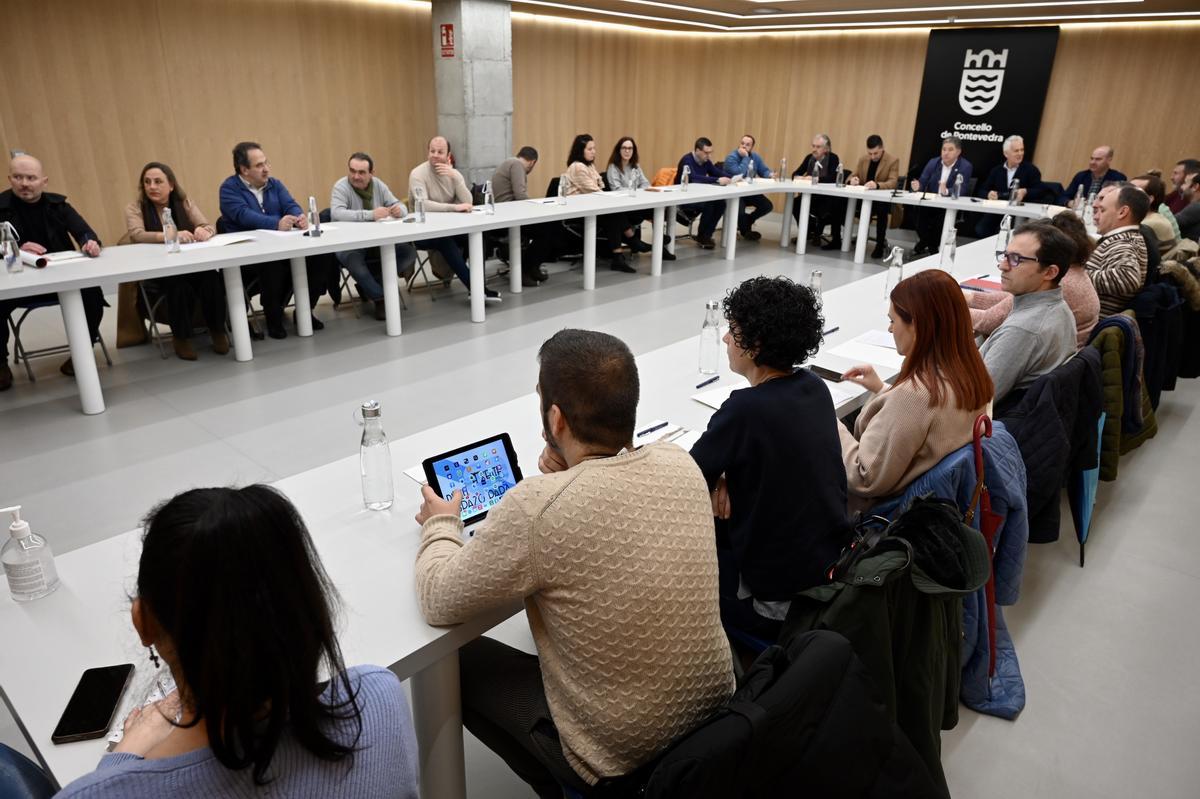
{"x":485,"y":470}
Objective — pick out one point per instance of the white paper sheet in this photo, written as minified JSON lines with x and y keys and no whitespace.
{"x":889,"y":360}
{"x":842,"y":392}
{"x":715,"y":397}
{"x":667,"y":429}
{"x":219,"y":240}
{"x":688,"y":439}
{"x":542,"y":200}
{"x":877,"y":338}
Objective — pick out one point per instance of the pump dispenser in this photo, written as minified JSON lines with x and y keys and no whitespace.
{"x":28,"y":561}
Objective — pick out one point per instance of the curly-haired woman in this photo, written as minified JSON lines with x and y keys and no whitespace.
{"x":772,"y":458}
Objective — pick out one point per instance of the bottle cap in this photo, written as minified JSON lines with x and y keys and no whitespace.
{"x":712,"y":305}
{"x":18,"y":528}
{"x":370,"y":409}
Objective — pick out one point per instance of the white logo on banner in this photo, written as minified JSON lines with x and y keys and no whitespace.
{"x":982,"y":77}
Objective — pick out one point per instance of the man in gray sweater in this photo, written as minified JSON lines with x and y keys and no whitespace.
{"x":362,"y":197}
{"x":1039,"y":334}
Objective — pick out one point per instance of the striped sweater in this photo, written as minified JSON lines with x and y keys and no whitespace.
{"x":1118,"y":268}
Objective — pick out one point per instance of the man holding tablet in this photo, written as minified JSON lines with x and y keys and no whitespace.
{"x":613,"y":552}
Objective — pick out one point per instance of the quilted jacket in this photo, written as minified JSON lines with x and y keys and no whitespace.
{"x":1114,"y":443}
{"x":1055,"y":427}
{"x":1158,"y":310}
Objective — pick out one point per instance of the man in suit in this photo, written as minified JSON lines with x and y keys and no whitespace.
{"x":253,"y":200}
{"x":822,"y":209}
{"x":939,"y":176}
{"x":1092,"y":179}
{"x":878,"y":170}
{"x":1014,"y":171}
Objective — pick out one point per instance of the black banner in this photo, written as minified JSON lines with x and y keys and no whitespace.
{"x":983,"y":85}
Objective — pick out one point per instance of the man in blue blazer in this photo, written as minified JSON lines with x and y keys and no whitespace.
{"x":939,"y":177}
{"x":999,"y":183}
{"x":253,"y":200}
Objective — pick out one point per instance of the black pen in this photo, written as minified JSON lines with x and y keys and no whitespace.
{"x":831,"y":331}
{"x":650,"y":430}
{"x":709,"y":381}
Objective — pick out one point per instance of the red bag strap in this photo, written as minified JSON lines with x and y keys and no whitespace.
{"x":983,"y":429}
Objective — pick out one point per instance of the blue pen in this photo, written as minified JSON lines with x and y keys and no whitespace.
{"x":650,"y":430}
{"x":709,"y":381}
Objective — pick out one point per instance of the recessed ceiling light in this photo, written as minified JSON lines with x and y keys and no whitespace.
{"x":767,"y":10}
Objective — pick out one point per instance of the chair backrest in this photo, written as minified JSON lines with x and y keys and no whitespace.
{"x":552,"y":187}
{"x":1153,"y":256}
{"x":665,"y":176}
{"x":20,"y":777}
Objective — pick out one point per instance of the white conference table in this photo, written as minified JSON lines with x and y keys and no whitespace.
{"x":368,"y":555}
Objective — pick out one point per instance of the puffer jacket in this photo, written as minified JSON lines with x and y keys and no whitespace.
{"x":1114,"y":441}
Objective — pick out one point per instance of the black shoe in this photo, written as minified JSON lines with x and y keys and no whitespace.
{"x":275,"y":328}
{"x":832,"y":244}
{"x":542,"y":274}
{"x":705,"y":242}
{"x":637,"y":245}
{"x":529,"y":279}
{"x":751,"y":235}
{"x":618,"y":264}
{"x":667,"y":255}
{"x":491,"y":295}
{"x":922,"y":249}
{"x":380,"y":310}
{"x":880,"y":250}
{"x":6,"y":377}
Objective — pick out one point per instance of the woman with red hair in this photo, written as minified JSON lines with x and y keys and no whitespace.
{"x":930,"y":410}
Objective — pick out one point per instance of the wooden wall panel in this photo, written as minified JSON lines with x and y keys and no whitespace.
{"x":131,"y":81}
{"x":1128,"y":85}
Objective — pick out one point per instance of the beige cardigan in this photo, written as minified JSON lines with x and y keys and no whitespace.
{"x":583,"y":179}
{"x":616,"y":561}
{"x":897,"y":438}
{"x":136,"y":226}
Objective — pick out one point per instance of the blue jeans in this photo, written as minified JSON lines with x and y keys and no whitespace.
{"x":364,"y":265}
{"x":20,"y":777}
{"x":451,"y":248}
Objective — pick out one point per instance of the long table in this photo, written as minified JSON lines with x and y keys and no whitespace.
{"x":369,"y":556}
{"x":148,"y":261}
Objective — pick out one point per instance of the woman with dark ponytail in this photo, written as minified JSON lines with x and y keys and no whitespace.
{"x":232,"y":598}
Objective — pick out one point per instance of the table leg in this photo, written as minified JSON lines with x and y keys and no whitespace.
{"x":802,"y":230}
{"x":391,"y":288}
{"x":235,"y":303}
{"x":864,"y":227}
{"x":589,"y":253}
{"x":514,"y":259}
{"x":947,"y":225}
{"x":475,"y":241}
{"x":87,"y":379}
{"x":785,"y":227}
{"x":437,"y":717}
{"x":670,"y":223}
{"x":729,"y":236}
{"x":656,"y":252}
{"x":848,"y":227}
{"x":300,"y":297}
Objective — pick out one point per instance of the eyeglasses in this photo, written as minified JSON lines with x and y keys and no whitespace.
{"x":1015,"y":258}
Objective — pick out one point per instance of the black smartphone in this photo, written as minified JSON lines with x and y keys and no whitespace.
{"x":827,"y":374}
{"x":90,"y":711}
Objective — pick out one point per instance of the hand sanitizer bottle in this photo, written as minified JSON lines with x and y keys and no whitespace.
{"x":28,"y":561}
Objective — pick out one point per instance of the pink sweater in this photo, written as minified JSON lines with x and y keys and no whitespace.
{"x":990,"y":308}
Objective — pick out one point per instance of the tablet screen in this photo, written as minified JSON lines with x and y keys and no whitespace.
{"x":484,"y":472}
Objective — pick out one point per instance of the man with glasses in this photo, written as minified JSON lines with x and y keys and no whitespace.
{"x":745,"y":162}
{"x":703,"y":170}
{"x":1039,"y":333}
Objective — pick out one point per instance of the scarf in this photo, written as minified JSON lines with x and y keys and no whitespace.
{"x":367,"y":195}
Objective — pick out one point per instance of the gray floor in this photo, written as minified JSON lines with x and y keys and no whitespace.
{"x":1106,"y":651}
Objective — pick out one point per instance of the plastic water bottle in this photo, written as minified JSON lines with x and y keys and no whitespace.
{"x":840,"y":178}
{"x":1005,"y":235}
{"x":562,"y":189}
{"x":1012,"y":191}
{"x":419,"y":203}
{"x":814,"y":282}
{"x":375,"y":460}
{"x":632,"y":184}
{"x":489,"y":199}
{"x":783,"y":169}
{"x":1078,"y":203}
{"x":956,"y":192}
{"x":685,"y":178}
{"x":750,"y":171}
{"x":10,"y":248}
{"x":28,"y":561}
{"x":895,"y":272}
{"x":946,"y":254}
{"x":816,"y":171}
{"x":710,"y":339}
{"x":170,"y":231}
{"x":314,"y":217}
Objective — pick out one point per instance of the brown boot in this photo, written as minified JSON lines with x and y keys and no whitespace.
{"x":183,"y":348}
{"x":67,"y":368}
{"x":220,"y":343}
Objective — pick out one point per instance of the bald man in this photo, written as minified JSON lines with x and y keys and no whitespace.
{"x":44,"y":222}
{"x":1098,"y":173}
{"x":445,"y":190}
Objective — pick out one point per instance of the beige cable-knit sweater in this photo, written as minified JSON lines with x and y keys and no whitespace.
{"x":616,"y":560}
{"x":898,"y":437}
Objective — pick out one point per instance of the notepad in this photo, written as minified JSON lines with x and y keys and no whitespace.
{"x":219,"y":240}
{"x":877,"y":338}
{"x":658,"y":429}
{"x":980,"y":284}
{"x":542,"y":200}
{"x":881,"y":358}
{"x":715,"y":397}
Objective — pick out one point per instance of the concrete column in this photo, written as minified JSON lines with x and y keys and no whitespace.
{"x":474,"y":83}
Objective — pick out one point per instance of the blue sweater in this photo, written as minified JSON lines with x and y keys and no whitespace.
{"x":706,"y":173}
{"x":240,"y":209}
{"x":735,"y":164}
{"x":385,"y":764}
